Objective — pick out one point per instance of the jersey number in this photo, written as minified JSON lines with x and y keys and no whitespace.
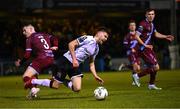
{"x":44,"y":42}
{"x":133,"y":43}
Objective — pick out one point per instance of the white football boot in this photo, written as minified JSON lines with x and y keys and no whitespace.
{"x":136,"y":80}
{"x":133,"y":83}
{"x":33,"y":93}
{"x":153,"y":87}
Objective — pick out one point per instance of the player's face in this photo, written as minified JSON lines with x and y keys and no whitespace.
{"x":103,"y":36}
{"x":27,"y":31}
{"x":150,"y":15}
{"x":132,"y":26}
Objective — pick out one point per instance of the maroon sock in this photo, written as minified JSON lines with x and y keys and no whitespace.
{"x":145,"y":72}
{"x":152,"y":77}
{"x":27,"y":82}
{"x":26,"y":78}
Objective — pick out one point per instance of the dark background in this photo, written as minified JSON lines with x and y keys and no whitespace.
{"x":68,"y":19}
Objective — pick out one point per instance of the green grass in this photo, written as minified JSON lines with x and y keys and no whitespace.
{"x":121,"y":93}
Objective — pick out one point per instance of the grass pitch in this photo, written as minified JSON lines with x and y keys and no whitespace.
{"x":121,"y":93}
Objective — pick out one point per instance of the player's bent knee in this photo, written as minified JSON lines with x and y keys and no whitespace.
{"x":76,"y":89}
{"x":29,"y":72}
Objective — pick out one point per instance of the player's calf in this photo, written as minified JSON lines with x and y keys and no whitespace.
{"x":54,"y":84}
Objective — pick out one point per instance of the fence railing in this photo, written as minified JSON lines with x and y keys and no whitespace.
{"x":7,"y":68}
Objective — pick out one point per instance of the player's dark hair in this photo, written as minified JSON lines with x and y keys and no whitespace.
{"x":102,"y":28}
{"x":132,"y":21}
{"x":27,"y":24}
{"x":149,"y":10}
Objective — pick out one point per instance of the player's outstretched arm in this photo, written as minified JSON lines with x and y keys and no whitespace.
{"x":93,"y":71}
{"x":54,"y":48}
{"x":54,"y":42}
{"x":162,"y":36}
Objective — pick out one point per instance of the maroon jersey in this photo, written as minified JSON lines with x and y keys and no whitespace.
{"x":130,"y":42}
{"x":40,"y":44}
{"x":146,"y":30}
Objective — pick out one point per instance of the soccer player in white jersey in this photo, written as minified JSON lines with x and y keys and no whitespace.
{"x":79,"y":50}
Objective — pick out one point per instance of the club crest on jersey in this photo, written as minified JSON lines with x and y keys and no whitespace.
{"x":82,"y":38}
{"x":140,"y":28}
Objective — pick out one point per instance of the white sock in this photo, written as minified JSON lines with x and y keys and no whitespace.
{"x":151,"y":85}
{"x":136,"y":75}
{"x":70,"y":84}
{"x":42,"y":82}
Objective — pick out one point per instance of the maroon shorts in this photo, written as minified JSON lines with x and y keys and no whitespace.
{"x":39,"y":64}
{"x":133,"y":58}
{"x":149,"y":56}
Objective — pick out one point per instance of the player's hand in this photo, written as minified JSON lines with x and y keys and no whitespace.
{"x":99,"y":80}
{"x":170,"y":38}
{"x":17,"y":63}
{"x":75,"y":63}
{"x":54,"y":48}
{"x":133,"y":50}
{"x":149,"y":46}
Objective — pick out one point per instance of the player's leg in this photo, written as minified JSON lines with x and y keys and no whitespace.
{"x":35,"y":68}
{"x":150,"y":58}
{"x":153,"y":74}
{"x":155,"y":66}
{"x":58,"y":73}
{"x":136,"y":69}
{"x":55,"y":82}
{"x":152,"y":85}
{"x":58,"y":79}
{"x":76,"y":75}
{"x":47,"y":82}
{"x":30,"y":74}
{"x":76,"y":83}
{"x":134,"y":61}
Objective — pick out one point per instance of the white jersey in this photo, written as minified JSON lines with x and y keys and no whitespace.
{"x":87,"y":47}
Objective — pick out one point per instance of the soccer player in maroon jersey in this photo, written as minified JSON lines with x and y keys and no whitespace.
{"x":132,"y":49}
{"x":144,"y":34}
{"x":41,"y":45}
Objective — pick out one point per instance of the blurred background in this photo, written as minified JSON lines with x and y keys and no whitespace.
{"x":69,"y":19}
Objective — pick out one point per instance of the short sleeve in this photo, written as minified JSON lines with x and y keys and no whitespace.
{"x":28,"y":44}
{"x":96,"y":53}
{"x":82,"y":40}
{"x":140,"y":28}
